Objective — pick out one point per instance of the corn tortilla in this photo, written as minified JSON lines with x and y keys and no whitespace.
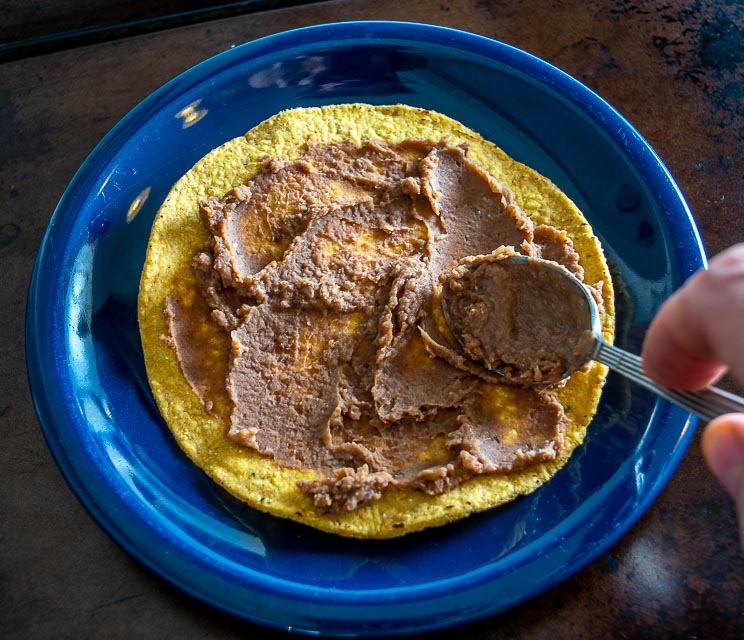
{"x":178,"y":233}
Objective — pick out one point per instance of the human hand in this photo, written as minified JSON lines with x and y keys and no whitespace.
{"x":698,"y":335}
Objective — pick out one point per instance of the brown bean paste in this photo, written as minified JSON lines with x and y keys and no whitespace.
{"x":523,"y":318}
{"x":323,"y":274}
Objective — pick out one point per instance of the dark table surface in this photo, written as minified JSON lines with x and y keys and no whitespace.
{"x":69,"y":73}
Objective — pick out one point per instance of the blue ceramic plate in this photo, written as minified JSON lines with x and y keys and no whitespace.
{"x":88,"y":379}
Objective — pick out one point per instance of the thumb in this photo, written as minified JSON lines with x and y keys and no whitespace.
{"x":723,"y":449}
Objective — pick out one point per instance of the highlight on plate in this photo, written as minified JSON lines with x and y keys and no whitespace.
{"x":290,"y":317}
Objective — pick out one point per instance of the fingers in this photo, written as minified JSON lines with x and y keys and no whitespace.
{"x":668,"y":357}
{"x":699,"y":331}
{"x":723,"y":449}
{"x":696,"y":336}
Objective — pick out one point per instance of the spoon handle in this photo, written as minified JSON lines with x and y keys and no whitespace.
{"x":707,"y":403}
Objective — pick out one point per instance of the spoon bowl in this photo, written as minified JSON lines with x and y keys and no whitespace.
{"x":532,"y":321}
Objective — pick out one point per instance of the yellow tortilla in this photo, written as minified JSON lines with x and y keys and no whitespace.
{"x":178,"y":233}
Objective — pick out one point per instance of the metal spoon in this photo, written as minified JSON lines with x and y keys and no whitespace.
{"x":707,"y":403}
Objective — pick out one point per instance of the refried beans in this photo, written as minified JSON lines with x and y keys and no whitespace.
{"x":324,"y":275}
{"x":520,"y":318}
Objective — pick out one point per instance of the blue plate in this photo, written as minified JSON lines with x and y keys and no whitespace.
{"x":91,"y":393}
